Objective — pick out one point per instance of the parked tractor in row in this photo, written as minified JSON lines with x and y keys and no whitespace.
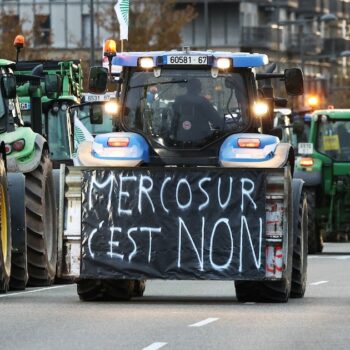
{"x":36,"y":135}
{"x":33,"y":215}
{"x":324,"y":166}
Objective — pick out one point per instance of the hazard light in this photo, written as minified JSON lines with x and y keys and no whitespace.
{"x":306,"y":161}
{"x":118,"y":142}
{"x":248,"y":143}
{"x":146,"y":62}
{"x":110,"y":48}
{"x":19,"y":41}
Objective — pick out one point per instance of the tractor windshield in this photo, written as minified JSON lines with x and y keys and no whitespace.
{"x":186,"y":108}
{"x":59,"y":140}
{"x":334,"y":138}
{"x":94,"y":118}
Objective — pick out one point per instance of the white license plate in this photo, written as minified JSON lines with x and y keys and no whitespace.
{"x":24,"y":106}
{"x":305,"y":148}
{"x":198,"y":60}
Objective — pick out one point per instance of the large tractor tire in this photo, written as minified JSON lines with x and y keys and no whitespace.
{"x":41,"y":219}
{"x":5,"y":232}
{"x":315,"y":242}
{"x":300,"y":249}
{"x":19,"y":264}
{"x":271,"y":291}
{"x":94,"y":290}
{"x":19,"y":272}
{"x":139,"y":288}
{"x":265,"y":292}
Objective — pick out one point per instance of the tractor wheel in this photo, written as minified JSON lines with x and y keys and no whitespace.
{"x":139,"y":288}
{"x":41,"y":224}
{"x":263,"y":291}
{"x":90,"y":290}
{"x":5,"y":233}
{"x":315,"y":244}
{"x":19,"y":272}
{"x":118,"y":289}
{"x":300,"y":250}
{"x":19,"y":263}
{"x":93,"y":290}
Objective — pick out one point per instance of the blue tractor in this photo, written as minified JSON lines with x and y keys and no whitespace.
{"x":190,"y":182}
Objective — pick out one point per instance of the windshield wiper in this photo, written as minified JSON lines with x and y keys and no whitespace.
{"x":159,"y":83}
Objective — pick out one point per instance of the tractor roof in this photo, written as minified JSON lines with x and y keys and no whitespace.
{"x":335,"y":113}
{"x":6,"y":63}
{"x":160,"y":58}
{"x":47,"y":64}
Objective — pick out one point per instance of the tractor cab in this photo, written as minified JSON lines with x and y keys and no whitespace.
{"x":9,"y":107}
{"x":56,"y":125}
{"x":186,"y":103}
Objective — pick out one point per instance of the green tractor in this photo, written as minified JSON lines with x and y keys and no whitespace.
{"x":56,"y":124}
{"x":324,"y":165}
{"x":27,"y":156}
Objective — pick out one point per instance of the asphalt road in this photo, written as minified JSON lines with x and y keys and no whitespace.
{"x":186,"y":315}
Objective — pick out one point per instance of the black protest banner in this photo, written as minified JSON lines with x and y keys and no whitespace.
{"x":173,"y":223}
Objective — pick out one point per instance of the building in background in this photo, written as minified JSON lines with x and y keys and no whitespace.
{"x":313,"y":34}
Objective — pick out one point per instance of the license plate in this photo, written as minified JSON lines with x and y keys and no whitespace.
{"x":198,"y":60}
{"x":24,"y":106}
{"x":305,"y":148}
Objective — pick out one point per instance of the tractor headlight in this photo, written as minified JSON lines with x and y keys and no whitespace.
{"x":260,"y":109}
{"x":111,"y":107}
{"x":224,"y":63}
{"x":146,"y":62}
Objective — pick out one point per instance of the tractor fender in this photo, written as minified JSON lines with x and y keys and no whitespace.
{"x":14,"y":165}
{"x":312,"y":178}
{"x":16,"y":186}
{"x":283,"y":154}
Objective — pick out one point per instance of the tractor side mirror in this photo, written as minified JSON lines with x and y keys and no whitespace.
{"x":52,"y":85}
{"x":8,"y":86}
{"x":294,"y":81}
{"x":98,"y":79}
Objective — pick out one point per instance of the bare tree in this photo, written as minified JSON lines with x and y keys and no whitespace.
{"x":153,"y":24}
{"x":11,"y":26}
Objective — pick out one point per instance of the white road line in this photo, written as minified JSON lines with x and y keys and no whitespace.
{"x":204,"y":322}
{"x":31,"y":291}
{"x":337,"y":257}
{"x":155,"y":346}
{"x":318,"y":283}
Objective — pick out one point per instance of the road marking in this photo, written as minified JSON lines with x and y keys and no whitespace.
{"x":31,"y":291}
{"x":204,"y":322}
{"x":155,"y":346}
{"x":318,"y":283}
{"x":337,"y":257}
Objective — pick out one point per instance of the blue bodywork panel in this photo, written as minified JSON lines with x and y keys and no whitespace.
{"x":137,"y":149}
{"x":231,"y":152}
{"x":240,"y":59}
